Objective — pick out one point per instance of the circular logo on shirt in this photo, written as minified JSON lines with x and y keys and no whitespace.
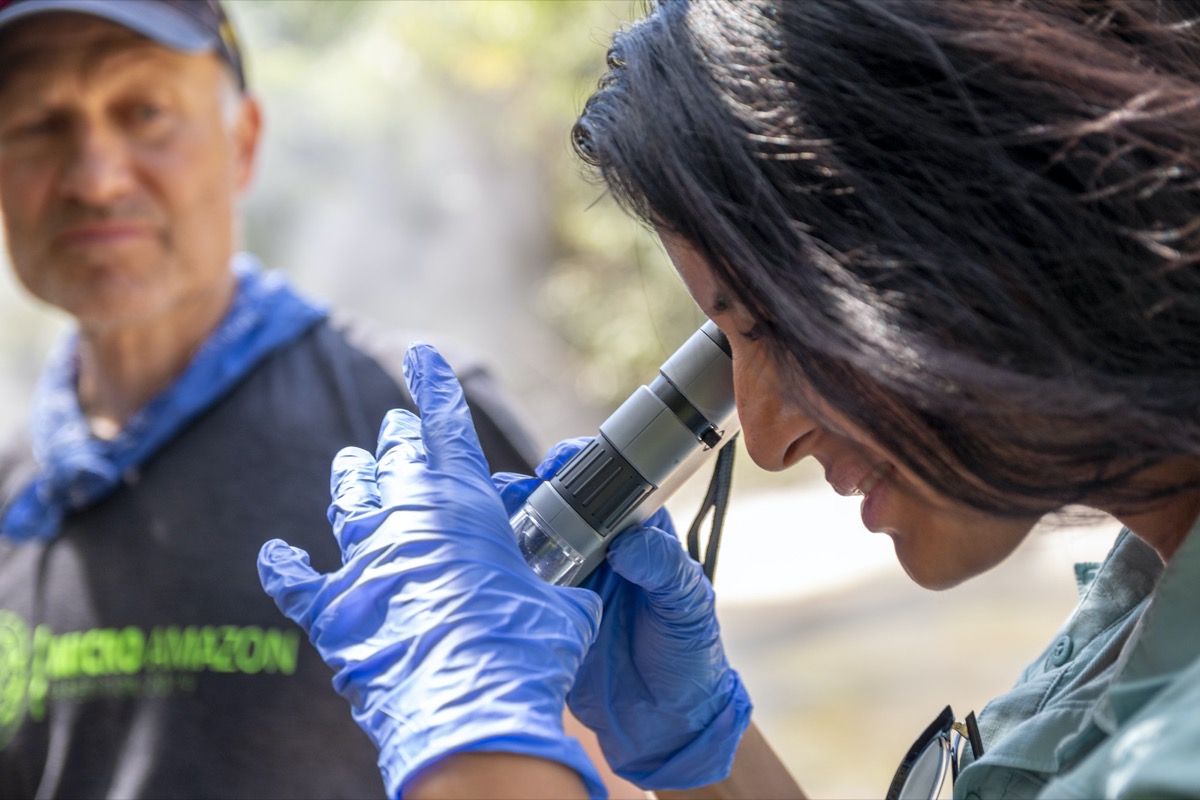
{"x":14,"y":673}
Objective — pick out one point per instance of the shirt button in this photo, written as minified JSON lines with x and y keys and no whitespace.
{"x":1061,"y":652}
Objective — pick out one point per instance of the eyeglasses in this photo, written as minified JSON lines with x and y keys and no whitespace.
{"x":923,"y":769}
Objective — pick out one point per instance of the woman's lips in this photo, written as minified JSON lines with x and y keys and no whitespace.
{"x":849,"y":485}
{"x":868,"y":483}
{"x":875,"y":490}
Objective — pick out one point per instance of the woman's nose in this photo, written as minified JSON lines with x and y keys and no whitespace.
{"x":771,"y":420}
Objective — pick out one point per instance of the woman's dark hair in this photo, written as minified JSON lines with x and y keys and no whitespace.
{"x":971,"y":226}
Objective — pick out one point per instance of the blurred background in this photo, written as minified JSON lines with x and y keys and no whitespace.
{"x":417,"y":171}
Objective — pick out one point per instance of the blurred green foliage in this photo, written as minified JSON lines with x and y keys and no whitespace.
{"x":520,"y":71}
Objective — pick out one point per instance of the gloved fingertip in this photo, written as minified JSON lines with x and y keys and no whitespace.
{"x":398,"y":424}
{"x":514,"y":489}
{"x":351,"y":455}
{"x":560,"y":454}
{"x":628,"y":548}
{"x":590,"y":604}
{"x":421,"y":361}
{"x":286,"y":575}
{"x":413,"y":356}
{"x":400,"y":432}
{"x":448,"y":437}
{"x":647,"y":556}
{"x":661,"y":519}
{"x":349,"y":462}
{"x":275,"y":552}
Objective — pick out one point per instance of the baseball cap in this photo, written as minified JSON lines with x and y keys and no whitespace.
{"x":189,"y":26}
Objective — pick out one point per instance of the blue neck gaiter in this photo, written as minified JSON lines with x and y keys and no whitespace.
{"x":75,"y":469}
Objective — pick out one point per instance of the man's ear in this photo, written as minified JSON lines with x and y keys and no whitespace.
{"x":247,"y":130}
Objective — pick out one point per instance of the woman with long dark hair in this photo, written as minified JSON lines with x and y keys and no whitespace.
{"x":953,"y":246}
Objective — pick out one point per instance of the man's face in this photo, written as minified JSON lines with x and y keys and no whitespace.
{"x":120,"y":165}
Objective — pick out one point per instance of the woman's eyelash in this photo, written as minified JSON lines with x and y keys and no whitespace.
{"x":753,"y":334}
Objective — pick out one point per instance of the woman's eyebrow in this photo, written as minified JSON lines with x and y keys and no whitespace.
{"x":721,"y":302}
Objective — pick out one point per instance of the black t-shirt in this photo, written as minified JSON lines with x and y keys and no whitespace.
{"x":139,"y":655}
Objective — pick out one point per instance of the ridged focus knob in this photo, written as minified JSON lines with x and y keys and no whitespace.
{"x":601,"y":485}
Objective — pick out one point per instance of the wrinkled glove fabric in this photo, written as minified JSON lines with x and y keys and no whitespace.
{"x":440,"y":636}
{"x":656,"y":686}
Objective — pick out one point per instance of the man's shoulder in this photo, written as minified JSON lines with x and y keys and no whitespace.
{"x":386,"y":345}
{"x":364,"y":349}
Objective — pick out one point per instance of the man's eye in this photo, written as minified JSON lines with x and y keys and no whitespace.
{"x":147,"y":112}
{"x":40,"y":126}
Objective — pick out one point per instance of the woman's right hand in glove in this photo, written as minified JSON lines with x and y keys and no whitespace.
{"x":655,"y":686}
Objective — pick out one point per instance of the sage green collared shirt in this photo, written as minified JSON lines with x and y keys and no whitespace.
{"x":1112,"y":707}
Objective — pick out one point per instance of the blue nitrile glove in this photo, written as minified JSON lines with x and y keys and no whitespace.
{"x":440,"y":636}
{"x":656,"y":686}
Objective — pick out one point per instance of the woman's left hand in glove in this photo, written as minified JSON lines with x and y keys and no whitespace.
{"x":441,"y":637}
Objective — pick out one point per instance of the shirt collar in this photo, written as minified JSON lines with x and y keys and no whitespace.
{"x":1159,"y":648}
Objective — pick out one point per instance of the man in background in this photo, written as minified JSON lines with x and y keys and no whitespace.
{"x":138,"y":654}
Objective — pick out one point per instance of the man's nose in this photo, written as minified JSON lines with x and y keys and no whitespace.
{"x":99,"y":165}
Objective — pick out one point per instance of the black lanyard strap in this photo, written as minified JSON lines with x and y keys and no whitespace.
{"x":716,"y":500}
